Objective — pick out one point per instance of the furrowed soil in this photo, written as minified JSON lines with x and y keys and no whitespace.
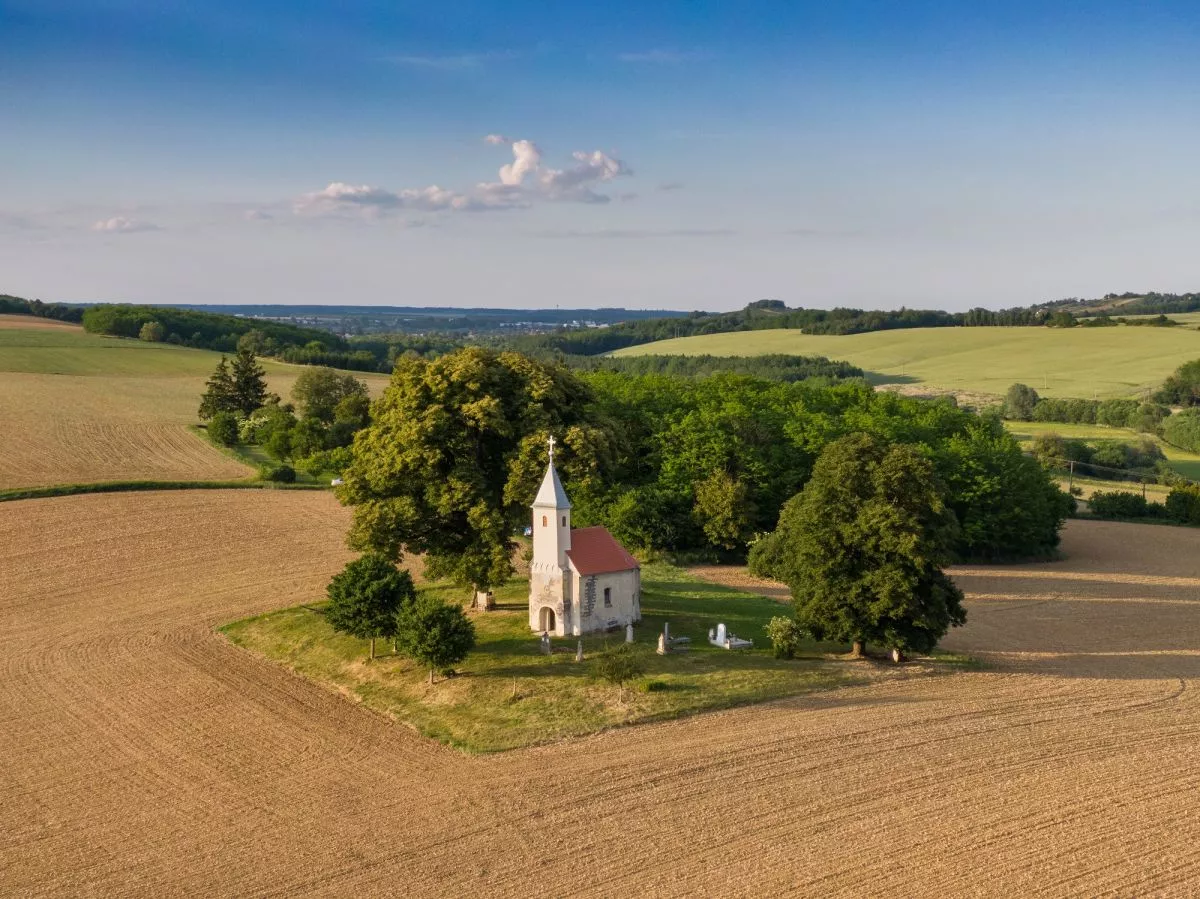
{"x":143,"y":754}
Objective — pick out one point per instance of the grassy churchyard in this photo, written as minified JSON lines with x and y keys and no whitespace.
{"x":508,"y":695}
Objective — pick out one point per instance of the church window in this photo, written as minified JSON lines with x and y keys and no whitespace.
{"x":564,"y":521}
{"x":608,"y":596}
{"x":543,"y":521}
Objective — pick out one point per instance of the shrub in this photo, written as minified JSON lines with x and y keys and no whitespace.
{"x":434,"y":633}
{"x":223,"y":429}
{"x":785,"y":635}
{"x":620,"y":663}
{"x":1117,"y":413}
{"x":1183,"y":504}
{"x":153,"y":332}
{"x":1120,"y":504}
{"x":280,"y":474}
{"x":1183,"y":430}
{"x":280,"y":444}
{"x":1149,"y":418}
{"x":765,"y":557}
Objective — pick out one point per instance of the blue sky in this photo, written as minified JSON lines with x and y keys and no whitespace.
{"x":667,"y":154}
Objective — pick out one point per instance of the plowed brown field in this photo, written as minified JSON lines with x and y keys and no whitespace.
{"x":142,"y":754}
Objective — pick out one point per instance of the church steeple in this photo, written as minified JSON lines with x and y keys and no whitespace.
{"x":551,"y":519}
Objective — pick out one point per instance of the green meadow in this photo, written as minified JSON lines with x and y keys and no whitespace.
{"x":1079,"y":362}
{"x":507,"y":694}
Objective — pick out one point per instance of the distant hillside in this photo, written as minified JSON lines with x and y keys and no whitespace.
{"x":477,"y":321}
{"x":1057,"y":362}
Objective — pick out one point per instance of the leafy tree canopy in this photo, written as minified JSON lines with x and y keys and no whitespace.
{"x":366,"y":596}
{"x":863,"y":546}
{"x":454,"y":454}
{"x":434,"y":633}
{"x":318,"y":391}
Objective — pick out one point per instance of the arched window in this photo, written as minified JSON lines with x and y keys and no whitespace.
{"x":564,"y":521}
{"x":543,"y":521}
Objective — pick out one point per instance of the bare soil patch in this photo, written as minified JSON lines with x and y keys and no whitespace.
{"x":143,"y":754}
{"x":11,"y":322}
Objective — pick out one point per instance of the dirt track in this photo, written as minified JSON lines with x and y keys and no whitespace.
{"x":141,"y":754}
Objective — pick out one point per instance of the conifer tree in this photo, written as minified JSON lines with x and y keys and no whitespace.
{"x":218,"y":393}
{"x":249,"y":383}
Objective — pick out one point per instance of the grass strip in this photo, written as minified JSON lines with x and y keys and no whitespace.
{"x":132,"y":486}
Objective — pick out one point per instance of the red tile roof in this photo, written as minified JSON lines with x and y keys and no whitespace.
{"x":596,"y":551}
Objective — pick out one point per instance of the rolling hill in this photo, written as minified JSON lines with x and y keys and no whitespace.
{"x":1084,"y":362}
{"x":81,"y":408}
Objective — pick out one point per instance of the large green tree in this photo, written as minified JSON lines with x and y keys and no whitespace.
{"x":366,"y":596}
{"x":1020,"y":401}
{"x":453,"y":456}
{"x":318,"y":391}
{"x":863,"y":546}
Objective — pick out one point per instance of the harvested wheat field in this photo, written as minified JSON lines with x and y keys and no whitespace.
{"x":33,"y":323}
{"x":79,"y":408}
{"x":144,"y":755}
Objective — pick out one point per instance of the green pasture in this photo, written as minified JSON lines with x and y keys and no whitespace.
{"x":507,"y":694}
{"x":1072,"y":362}
{"x":1187,"y":464}
{"x":76,"y":352}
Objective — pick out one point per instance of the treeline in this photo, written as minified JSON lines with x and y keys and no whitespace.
{"x":10,"y":305}
{"x":1022,"y":403}
{"x":767,"y":315}
{"x":206,"y":330}
{"x":1182,"y":506}
{"x":706,"y":465}
{"x":692,"y":466}
{"x":1154,"y":303}
{"x":774,"y":367}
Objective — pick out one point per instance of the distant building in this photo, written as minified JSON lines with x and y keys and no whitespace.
{"x":579,"y":580}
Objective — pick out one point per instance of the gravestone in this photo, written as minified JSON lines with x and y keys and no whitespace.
{"x":579,"y":651}
{"x":545,"y":643}
{"x":629,"y":633}
{"x":663,"y":646}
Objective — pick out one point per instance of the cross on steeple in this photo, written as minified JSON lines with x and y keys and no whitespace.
{"x":551,"y":441}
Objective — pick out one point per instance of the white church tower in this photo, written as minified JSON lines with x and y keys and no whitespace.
{"x":549,"y":599}
{"x":579,"y":581}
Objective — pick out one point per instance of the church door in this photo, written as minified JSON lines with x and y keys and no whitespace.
{"x":547,"y":619}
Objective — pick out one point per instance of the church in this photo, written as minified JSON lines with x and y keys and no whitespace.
{"x":580,"y":580}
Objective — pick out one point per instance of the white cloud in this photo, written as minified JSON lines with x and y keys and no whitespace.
{"x":121,"y":225}
{"x":575,"y":183}
{"x":521,"y":183}
{"x":526,"y":158}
